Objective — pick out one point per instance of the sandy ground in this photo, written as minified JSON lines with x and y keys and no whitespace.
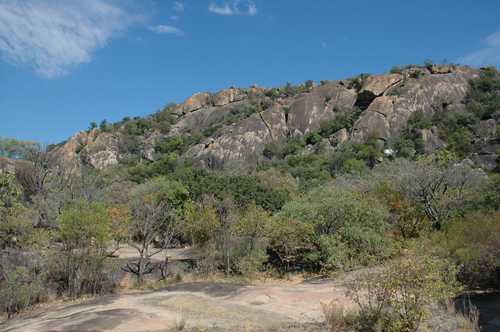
{"x":212,"y":305}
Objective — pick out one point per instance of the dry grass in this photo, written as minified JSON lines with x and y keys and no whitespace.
{"x":337,"y":317}
{"x":448,"y":318}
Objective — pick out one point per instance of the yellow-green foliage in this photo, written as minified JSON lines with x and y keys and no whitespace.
{"x":397,"y":297}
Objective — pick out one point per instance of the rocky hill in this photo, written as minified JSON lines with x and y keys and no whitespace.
{"x":233,"y":127}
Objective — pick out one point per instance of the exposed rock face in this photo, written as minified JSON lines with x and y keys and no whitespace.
{"x":378,"y":85}
{"x":69,"y":152}
{"x":100,"y":150}
{"x":195,"y":102}
{"x":309,"y":110}
{"x":387,"y":115}
{"x":431,"y":140}
{"x":103,"y":151}
{"x":339,"y":137}
{"x":202,"y":119}
{"x":488,"y":155}
{"x":386,"y":102}
{"x":442,"y":69}
{"x":374,"y":122}
{"x":228,"y":96}
{"x":242,"y":145}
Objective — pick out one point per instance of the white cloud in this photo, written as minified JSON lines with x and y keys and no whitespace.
{"x":54,"y":36}
{"x":167,"y":29}
{"x":178,"y":6}
{"x":235,"y":7}
{"x":488,"y":55}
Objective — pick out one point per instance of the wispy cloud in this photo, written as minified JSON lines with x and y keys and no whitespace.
{"x":488,"y":55}
{"x":178,"y":6}
{"x":54,"y":36}
{"x":167,"y":29}
{"x":235,"y":7}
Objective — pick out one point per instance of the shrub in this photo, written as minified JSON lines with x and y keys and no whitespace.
{"x":84,"y":230}
{"x":348,"y":230}
{"x":20,"y":287}
{"x":397,"y":298}
{"x":343,"y":119}
{"x":313,"y":138}
{"x":473,"y":243}
{"x":337,"y":317}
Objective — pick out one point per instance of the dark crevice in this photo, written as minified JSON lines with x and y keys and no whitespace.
{"x":385,"y":116}
{"x":364,"y":99}
{"x":267,"y":126}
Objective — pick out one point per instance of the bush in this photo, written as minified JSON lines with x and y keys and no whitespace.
{"x":397,"y":298}
{"x":348,"y":230}
{"x":473,"y":242}
{"x":84,"y":230}
{"x":20,"y":287}
{"x":343,"y":119}
{"x":313,"y":138}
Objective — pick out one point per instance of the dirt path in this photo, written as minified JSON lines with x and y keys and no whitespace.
{"x":201,"y":304}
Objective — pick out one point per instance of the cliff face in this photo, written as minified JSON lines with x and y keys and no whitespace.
{"x":238,"y":123}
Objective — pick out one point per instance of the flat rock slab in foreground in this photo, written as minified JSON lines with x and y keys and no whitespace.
{"x":202,"y":304}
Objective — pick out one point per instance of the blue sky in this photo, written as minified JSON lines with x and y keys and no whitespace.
{"x":64,"y":63}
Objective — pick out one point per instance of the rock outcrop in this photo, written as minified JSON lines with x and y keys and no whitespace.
{"x":309,"y":110}
{"x":242,"y":145}
{"x":234,"y":125}
{"x":387,"y":115}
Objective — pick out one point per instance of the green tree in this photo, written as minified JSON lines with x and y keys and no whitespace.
{"x":84,"y":230}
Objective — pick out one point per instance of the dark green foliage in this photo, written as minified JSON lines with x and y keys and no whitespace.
{"x":137,"y":126}
{"x":484,"y":96}
{"x":313,"y":138}
{"x":343,"y":119}
{"x":177,"y":144}
{"x":280,"y":150}
{"x":104,"y":126}
{"x":354,"y":158}
{"x":242,"y":188}
{"x":346,"y":230}
{"x":146,"y":170}
{"x":92,"y":126}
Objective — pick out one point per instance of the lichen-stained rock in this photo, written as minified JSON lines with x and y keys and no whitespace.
{"x":194,"y":103}
{"x":228,"y":96}
{"x":378,"y":85}
{"x":242,"y":145}
{"x":102,"y":151}
{"x":309,"y":110}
